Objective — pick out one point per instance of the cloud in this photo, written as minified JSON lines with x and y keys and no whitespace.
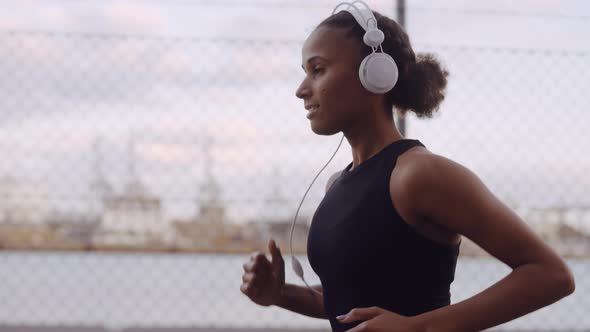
{"x":133,"y":17}
{"x":46,"y":72}
{"x":164,"y":153}
{"x":34,"y":15}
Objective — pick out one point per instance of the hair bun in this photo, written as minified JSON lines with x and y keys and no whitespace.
{"x":421,"y":88}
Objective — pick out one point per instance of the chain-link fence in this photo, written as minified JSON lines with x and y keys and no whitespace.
{"x":138,"y":173}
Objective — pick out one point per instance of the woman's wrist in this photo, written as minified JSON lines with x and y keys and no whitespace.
{"x":281,"y":296}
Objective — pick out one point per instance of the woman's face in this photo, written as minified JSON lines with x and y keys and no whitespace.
{"x":331,"y":90}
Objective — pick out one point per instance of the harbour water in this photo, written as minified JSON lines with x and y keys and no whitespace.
{"x":119,"y":291}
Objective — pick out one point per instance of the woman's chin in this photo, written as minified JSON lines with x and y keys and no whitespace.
{"x":322,"y":130}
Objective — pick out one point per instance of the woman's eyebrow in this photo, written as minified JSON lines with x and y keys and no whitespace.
{"x":313,"y":58}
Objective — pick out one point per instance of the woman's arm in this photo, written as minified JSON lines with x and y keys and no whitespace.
{"x":438,"y":189}
{"x":303,"y":301}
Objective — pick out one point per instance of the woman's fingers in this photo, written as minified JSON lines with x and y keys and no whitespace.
{"x":275,"y":251}
{"x":260,"y":259}
{"x":256,"y":279}
{"x":257,"y":273}
{"x":244,"y":288}
{"x":248,"y":277}
{"x":258,"y":262}
{"x":249,"y":289}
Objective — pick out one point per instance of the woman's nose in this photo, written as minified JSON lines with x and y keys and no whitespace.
{"x":302,"y":91}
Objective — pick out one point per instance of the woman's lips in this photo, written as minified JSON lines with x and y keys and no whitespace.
{"x":312,"y":112}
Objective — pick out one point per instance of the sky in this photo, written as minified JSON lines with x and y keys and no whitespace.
{"x":545,"y":24}
{"x":166,"y":76}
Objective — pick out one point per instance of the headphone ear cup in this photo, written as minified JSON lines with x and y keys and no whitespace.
{"x":373,"y":37}
{"x":378,"y":73}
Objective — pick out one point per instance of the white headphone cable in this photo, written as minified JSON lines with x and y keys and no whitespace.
{"x":295,"y":264}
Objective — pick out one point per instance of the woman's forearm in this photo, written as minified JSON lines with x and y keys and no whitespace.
{"x":527,"y":288}
{"x":302,"y":300}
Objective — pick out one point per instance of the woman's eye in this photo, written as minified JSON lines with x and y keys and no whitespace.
{"x":317,"y":70}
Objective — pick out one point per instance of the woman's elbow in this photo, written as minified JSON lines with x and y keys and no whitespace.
{"x":565,"y":280}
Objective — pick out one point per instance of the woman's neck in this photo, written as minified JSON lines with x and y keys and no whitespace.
{"x":367,"y":140}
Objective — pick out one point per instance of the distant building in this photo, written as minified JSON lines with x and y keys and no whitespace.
{"x":100,"y":188}
{"x":134,"y":217}
{"x":579,"y":217}
{"x":211,"y":209}
{"x":565,"y":228}
{"x":281,"y":232}
{"x":208,"y":229}
{"x":275,"y":220}
{"x":134,"y":211}
{"x":22,"y":202}
{"x":576,"y":217}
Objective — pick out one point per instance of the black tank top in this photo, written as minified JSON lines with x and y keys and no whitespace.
{"x":366,"y":255}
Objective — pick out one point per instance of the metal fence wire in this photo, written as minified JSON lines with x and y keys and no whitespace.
{"x":138,"y":173}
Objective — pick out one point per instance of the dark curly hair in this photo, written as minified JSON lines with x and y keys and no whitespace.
{"x":422,"y":80}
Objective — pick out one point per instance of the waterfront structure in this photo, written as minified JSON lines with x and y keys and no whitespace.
{"x":134,"y":217}
{"x":22,"y":202}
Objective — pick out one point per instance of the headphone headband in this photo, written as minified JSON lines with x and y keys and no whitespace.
{"x":358,"y":14}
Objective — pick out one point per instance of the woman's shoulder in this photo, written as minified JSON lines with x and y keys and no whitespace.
{"x":419,"y":162}
{"x":410,"y":184}
{"x":420,"y":173}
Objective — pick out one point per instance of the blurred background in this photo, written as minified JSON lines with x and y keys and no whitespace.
{"x":149,"y":147}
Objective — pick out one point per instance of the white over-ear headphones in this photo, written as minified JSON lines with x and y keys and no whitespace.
{"x":378,"y":72}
